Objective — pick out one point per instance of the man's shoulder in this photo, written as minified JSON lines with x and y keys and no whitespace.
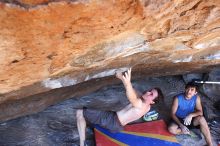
{"x":179,"y":95}
{"x":197,"y":97}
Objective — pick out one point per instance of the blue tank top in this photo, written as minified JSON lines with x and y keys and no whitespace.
{"x":185,"y":106}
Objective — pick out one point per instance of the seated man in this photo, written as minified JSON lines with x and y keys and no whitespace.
{"x":114,"y":121}
{"x":187,"y":109}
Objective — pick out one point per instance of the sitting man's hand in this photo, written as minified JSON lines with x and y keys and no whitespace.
{"x":187,"y":120}
{"x":184,"y":129}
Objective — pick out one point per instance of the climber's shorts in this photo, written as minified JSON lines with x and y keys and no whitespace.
{"x":105,"y":119}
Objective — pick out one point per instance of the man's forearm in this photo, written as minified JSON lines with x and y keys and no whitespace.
{"x":197,"y":113}
{"x":130,"y":92}
{"x":176,"y":120}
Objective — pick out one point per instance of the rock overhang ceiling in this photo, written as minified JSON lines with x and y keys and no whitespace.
{"x":48,"y":45}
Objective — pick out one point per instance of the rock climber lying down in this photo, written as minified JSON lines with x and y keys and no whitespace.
{"x":138,"y":106}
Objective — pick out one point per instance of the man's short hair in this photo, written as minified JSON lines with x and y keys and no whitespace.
{"x":191,"y":85}
{"x":160,"y":96}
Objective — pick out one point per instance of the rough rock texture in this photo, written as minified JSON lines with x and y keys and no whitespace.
{"x":50,"y":47}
